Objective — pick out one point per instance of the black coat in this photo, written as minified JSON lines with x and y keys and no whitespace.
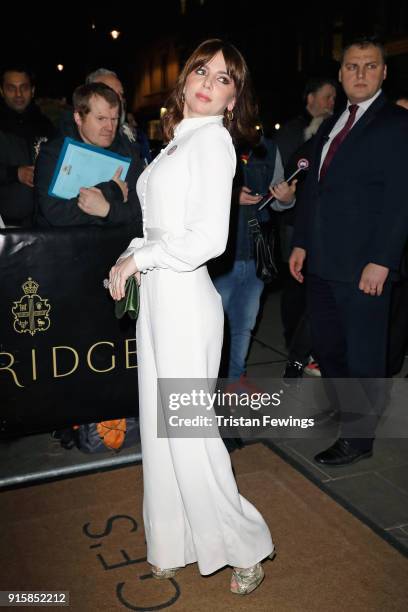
{"x":56,"y":212}
{"x":359,"y":212}
{"x":292,"y":136}
{"x":20,"y":137}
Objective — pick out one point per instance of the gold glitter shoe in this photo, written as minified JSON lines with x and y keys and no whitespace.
{"x":245,"y":580}
{"x":164,"y":574}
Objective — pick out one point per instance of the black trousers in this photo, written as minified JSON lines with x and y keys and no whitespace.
{"x":293,"y":307}
{"x":301,"y":346}
{"x":349,"y":335}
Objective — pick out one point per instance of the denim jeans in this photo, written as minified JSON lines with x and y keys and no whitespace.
{"x":240,"y":290}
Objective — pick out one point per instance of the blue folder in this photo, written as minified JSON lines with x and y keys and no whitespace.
{"x":83,"y":165}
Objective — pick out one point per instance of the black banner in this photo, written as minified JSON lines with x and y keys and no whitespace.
{"x":64,"y":357}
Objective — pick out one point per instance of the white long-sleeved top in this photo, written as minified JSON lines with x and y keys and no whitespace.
{"x":190,"y":185}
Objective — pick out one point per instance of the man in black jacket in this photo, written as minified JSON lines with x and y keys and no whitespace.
{"x":352,"y":227}
{"x":294,"y":141}
{"x":319,"y":97}
{"x":113,"y":202}
{"x":22,"y":129}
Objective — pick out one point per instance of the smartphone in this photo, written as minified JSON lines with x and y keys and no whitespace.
{"x":255,"y":193}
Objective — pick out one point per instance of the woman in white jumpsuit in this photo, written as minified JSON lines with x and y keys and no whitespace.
{"x":192,"y":509}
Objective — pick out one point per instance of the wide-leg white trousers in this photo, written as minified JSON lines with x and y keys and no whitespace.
{"x":191,"y":508}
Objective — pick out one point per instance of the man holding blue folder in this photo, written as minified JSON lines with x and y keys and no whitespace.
{"x":110,"y":201}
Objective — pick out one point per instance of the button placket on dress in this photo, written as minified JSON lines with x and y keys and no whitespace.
{"x":145,"y":182}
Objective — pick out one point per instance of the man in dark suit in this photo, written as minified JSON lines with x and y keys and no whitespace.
{"x":352,"y":226}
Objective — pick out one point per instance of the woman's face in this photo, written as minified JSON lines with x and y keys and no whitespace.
{"x":208,"y":89}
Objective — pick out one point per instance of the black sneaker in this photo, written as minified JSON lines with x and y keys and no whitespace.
{"x":293,"y":369}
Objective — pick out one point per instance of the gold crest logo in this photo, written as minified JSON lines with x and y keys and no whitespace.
{"x":31,"y":311}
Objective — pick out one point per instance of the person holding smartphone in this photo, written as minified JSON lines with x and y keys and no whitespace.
{"x":259,"y":172}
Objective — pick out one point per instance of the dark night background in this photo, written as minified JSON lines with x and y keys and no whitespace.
{"x":283,"y":43}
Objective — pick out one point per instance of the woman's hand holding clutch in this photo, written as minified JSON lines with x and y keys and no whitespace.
{"x":119,"y":274}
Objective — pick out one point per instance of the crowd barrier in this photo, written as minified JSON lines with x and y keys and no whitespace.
{"x":64,"y":357}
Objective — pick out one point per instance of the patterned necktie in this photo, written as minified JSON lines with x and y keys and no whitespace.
{"x":337,"y":140}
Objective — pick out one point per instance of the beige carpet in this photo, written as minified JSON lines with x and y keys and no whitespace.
{"x":85,"y":535}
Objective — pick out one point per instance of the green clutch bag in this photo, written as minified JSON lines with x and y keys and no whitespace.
{"x":130,"y":303}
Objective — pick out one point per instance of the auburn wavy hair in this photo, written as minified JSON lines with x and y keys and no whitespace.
{"x":242,"y":126}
